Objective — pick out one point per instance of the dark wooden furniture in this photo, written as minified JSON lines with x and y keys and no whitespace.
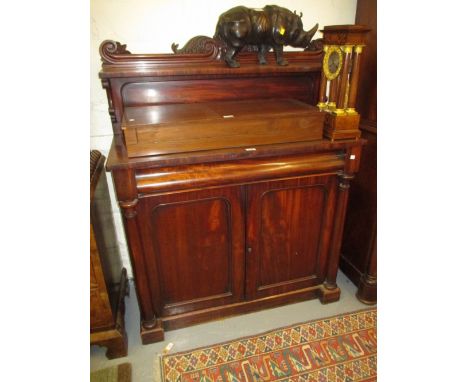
{"x":108,"y":281}
{"x":237,"y":223}
{"x":166,"y":129}
{"x":359,"y":251}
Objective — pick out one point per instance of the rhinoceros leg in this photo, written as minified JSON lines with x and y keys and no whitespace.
{"x":262,"y":51}
{"x":279,"y":55}
{"x":229,"y":57}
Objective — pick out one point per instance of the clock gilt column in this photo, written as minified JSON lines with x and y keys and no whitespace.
{"x":323,"y":88}
{"x":342,"y":122}
{"x":354,"y":80}
{"x":333,"y":91}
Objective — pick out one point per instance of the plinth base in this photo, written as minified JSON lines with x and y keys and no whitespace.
{"x":155,"y":334}
{"x":150,"y":335}
{"x":341,"y":126}
{"x":367,"y":290}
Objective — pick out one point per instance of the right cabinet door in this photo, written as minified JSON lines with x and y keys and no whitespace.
{"x":289,"y":225}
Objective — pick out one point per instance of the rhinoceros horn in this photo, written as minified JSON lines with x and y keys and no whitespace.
{"x":310,"y":34}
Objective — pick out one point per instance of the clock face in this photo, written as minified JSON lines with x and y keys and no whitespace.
{"x":332,"y":62}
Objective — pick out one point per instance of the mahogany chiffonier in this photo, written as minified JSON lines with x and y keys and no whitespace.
{"x":233,"y":183}
{"x":108,"y":280}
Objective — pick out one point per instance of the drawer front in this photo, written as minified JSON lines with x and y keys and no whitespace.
{"x":164,"y":179}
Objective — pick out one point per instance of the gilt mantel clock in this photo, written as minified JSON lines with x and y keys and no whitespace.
{"x":343,"y":46}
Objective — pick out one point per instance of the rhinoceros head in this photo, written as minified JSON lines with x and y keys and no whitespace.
{"x":302,"y":39}
{"x":288,"y":29}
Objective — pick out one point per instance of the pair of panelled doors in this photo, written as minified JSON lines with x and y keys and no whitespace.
{"x":221,"y":245}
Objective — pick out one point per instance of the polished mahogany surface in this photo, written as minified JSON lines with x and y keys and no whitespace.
{"x":175,"y":128}
{"x":231,"y":172}
{"x":194,"y":240}
{"x":288,"y":234}
{"x":221,"y":223}
{"x":143,"y":80}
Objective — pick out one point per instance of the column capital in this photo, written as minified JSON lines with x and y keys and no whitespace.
{"x":347,"y":48}
{"x":358,"y":48}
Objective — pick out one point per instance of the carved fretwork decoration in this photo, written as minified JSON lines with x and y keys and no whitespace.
{"x":201,"y":44}
{"x":205,"y":44}
{"x":202,"y":50}
{"x":217,"y":48}
{"x":109,"y":49}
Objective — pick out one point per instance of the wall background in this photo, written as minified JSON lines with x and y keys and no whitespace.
{"x":151,"y":26}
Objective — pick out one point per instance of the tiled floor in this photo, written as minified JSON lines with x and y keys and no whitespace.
{"x":142,"y":356}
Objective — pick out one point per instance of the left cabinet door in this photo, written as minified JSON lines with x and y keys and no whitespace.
{"x":194,"y":248}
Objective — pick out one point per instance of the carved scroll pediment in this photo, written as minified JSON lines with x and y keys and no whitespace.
{"x":110,"y":50}
{"x":200,"y":49}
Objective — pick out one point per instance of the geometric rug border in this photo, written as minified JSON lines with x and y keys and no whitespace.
{"x":268,"y":331}
{"x":159,"y":361}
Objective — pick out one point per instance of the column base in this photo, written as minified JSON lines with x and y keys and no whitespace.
{"x":153,"y":334}
{"x":367,"y":290}
{"x":329,"y":293}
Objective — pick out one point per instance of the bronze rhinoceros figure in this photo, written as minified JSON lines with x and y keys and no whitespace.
{"x":270,"y":27}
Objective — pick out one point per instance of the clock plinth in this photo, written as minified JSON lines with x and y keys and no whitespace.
{"x":342,"y":48}
{"x":342,"y":126}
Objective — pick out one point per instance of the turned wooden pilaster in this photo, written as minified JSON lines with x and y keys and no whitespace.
{"x":354,"y":79}
{"x":124,"y":181}
{"x":347,"y":50}
{"x":367,"y":289}
{"x":340,"y":214}
{"x":129,"y":211}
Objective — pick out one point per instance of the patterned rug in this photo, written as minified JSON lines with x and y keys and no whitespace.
{"x":338,"y":349}
{"x":118,"y":373}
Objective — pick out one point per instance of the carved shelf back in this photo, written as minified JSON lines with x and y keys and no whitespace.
{"x":199,"y":49}
{"x":197,"y":73}
{"x":205,"y":44}
{"x":115,"y":53}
